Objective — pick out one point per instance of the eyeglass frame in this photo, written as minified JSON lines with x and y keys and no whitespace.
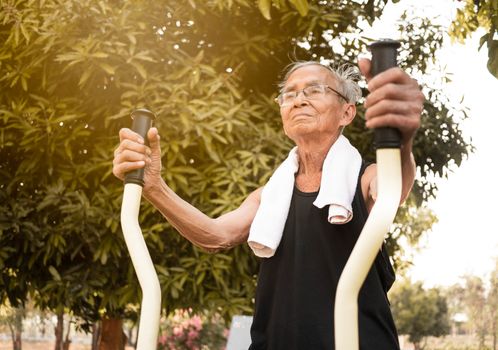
{"x":296,"y":93}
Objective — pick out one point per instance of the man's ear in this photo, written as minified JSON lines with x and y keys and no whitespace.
{"x":348,"y":114}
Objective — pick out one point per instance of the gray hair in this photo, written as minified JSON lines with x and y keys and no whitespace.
{"x":346,"y":75}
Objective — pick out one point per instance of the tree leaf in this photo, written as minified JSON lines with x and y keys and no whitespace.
{"x":493,"y":57}
{"x":264,"y":8}
{"x":302,"y":6}
{"x":107,"y":68}
{"x":54,"y":273}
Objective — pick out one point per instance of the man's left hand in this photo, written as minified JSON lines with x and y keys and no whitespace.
{"x":395,"y":100}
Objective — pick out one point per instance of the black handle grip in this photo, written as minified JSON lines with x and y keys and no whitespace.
{"x":142,"y":121}
{"x":384,"y":53}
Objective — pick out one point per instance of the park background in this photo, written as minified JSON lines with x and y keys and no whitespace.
{"x":71,"y":72}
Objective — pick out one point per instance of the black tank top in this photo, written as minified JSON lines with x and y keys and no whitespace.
{"x":294,"y":308}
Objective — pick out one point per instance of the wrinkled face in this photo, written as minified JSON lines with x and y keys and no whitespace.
{"x":321,"y":116}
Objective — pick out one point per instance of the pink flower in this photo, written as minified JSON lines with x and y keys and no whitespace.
{"x":196,"y":322}
{"x":177,"y":331}
{"x":192,"y":335}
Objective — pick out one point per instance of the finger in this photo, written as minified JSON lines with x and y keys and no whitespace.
{"x":392,"y":91}
{"x":133,"y":146}
{"x":391,"y":75}
{"x":154,"y":141}
{"x":125,"y":133}
{"x":385,"y":106}
{"x":130,"y":156}
{"x":365,"y":64}
{"x":403,"y":123}
{"x":127,"y":146}
{"x":119,"y":170}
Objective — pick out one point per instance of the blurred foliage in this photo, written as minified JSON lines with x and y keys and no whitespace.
{"x":418,"y":312}
{"x":411,"y":223}
{"x":492,"y":302}
{"x":70,"y":74}
{"x":11,"y":318}
{"x":478,"y":300}
{"x":475,"y":14}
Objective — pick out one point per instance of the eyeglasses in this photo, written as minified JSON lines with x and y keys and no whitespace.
{"x":310,"y":92}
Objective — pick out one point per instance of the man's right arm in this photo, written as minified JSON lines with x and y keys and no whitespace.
{"x":223,"y":232}
{"x":210,"y":234}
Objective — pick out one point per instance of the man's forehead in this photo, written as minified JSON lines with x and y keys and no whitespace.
{"x":308,"y":75}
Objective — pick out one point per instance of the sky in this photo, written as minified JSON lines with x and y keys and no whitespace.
{"x":465,"y":239}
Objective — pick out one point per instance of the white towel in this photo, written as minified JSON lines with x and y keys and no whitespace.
{"x":337,"y":188}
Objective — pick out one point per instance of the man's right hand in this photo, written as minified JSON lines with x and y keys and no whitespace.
{"x":133,"y":154}
{"x":225,"y":231}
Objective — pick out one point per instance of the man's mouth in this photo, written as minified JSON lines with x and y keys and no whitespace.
{"x":300,"y":115}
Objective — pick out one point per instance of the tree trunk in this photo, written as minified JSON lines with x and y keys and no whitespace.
{"x":17,"y":340}
{"x":482,"y":340}
{"x":131,"y":337}
{"x":67,"y":341}
{"x":112,"y":336}
{"x":495,"y":330}
{"x":59,"y":331}
{"x":129,"y":334}
{"x":95,"y":335}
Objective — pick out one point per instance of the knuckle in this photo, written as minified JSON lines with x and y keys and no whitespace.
{"x":126,"y":143}
{"x":398,"y":72}
{"x":116,"y":172}
{"x":123,"y":133}
{"x":391,"y":90}
{"x":421,"y":96}
{"x":125,"y":155}
{"x":412,"y":108}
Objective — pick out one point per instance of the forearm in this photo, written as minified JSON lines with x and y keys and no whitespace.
{"x":408,"y":169}
{"x":190,"y":222}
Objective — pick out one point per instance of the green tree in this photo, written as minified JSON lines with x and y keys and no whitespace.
{"x":479,"y":301}
{"x":472,"y":298}
{"x":477,"y":14}
{"x":493,"y":305}
{"x":70,"y":74}
{"x":476,"y":307}
{"x":12,"y":317}
{"x":418,"y":312}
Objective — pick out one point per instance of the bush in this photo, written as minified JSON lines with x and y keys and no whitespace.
{"x":184,"y":330}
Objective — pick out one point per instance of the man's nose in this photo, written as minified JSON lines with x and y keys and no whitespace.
{"x":300,"y":99}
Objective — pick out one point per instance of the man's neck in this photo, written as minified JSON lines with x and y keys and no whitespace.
{"x":312,"y":155}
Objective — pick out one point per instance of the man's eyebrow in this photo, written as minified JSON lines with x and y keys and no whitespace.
{"x":292,"y":87}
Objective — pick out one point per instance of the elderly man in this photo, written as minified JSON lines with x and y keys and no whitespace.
{"x":298,"y":278}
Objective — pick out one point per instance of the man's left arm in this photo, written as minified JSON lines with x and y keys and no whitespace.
{"x":395,"y":100}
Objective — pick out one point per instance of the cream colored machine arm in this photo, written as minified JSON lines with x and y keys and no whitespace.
{"x":366,"y":249}
{"x":369,"y":242}
{"x":150,"y":312}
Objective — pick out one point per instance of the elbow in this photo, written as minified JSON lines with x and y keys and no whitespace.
{"x":214,"y":248}
{"x":215,"y":243}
